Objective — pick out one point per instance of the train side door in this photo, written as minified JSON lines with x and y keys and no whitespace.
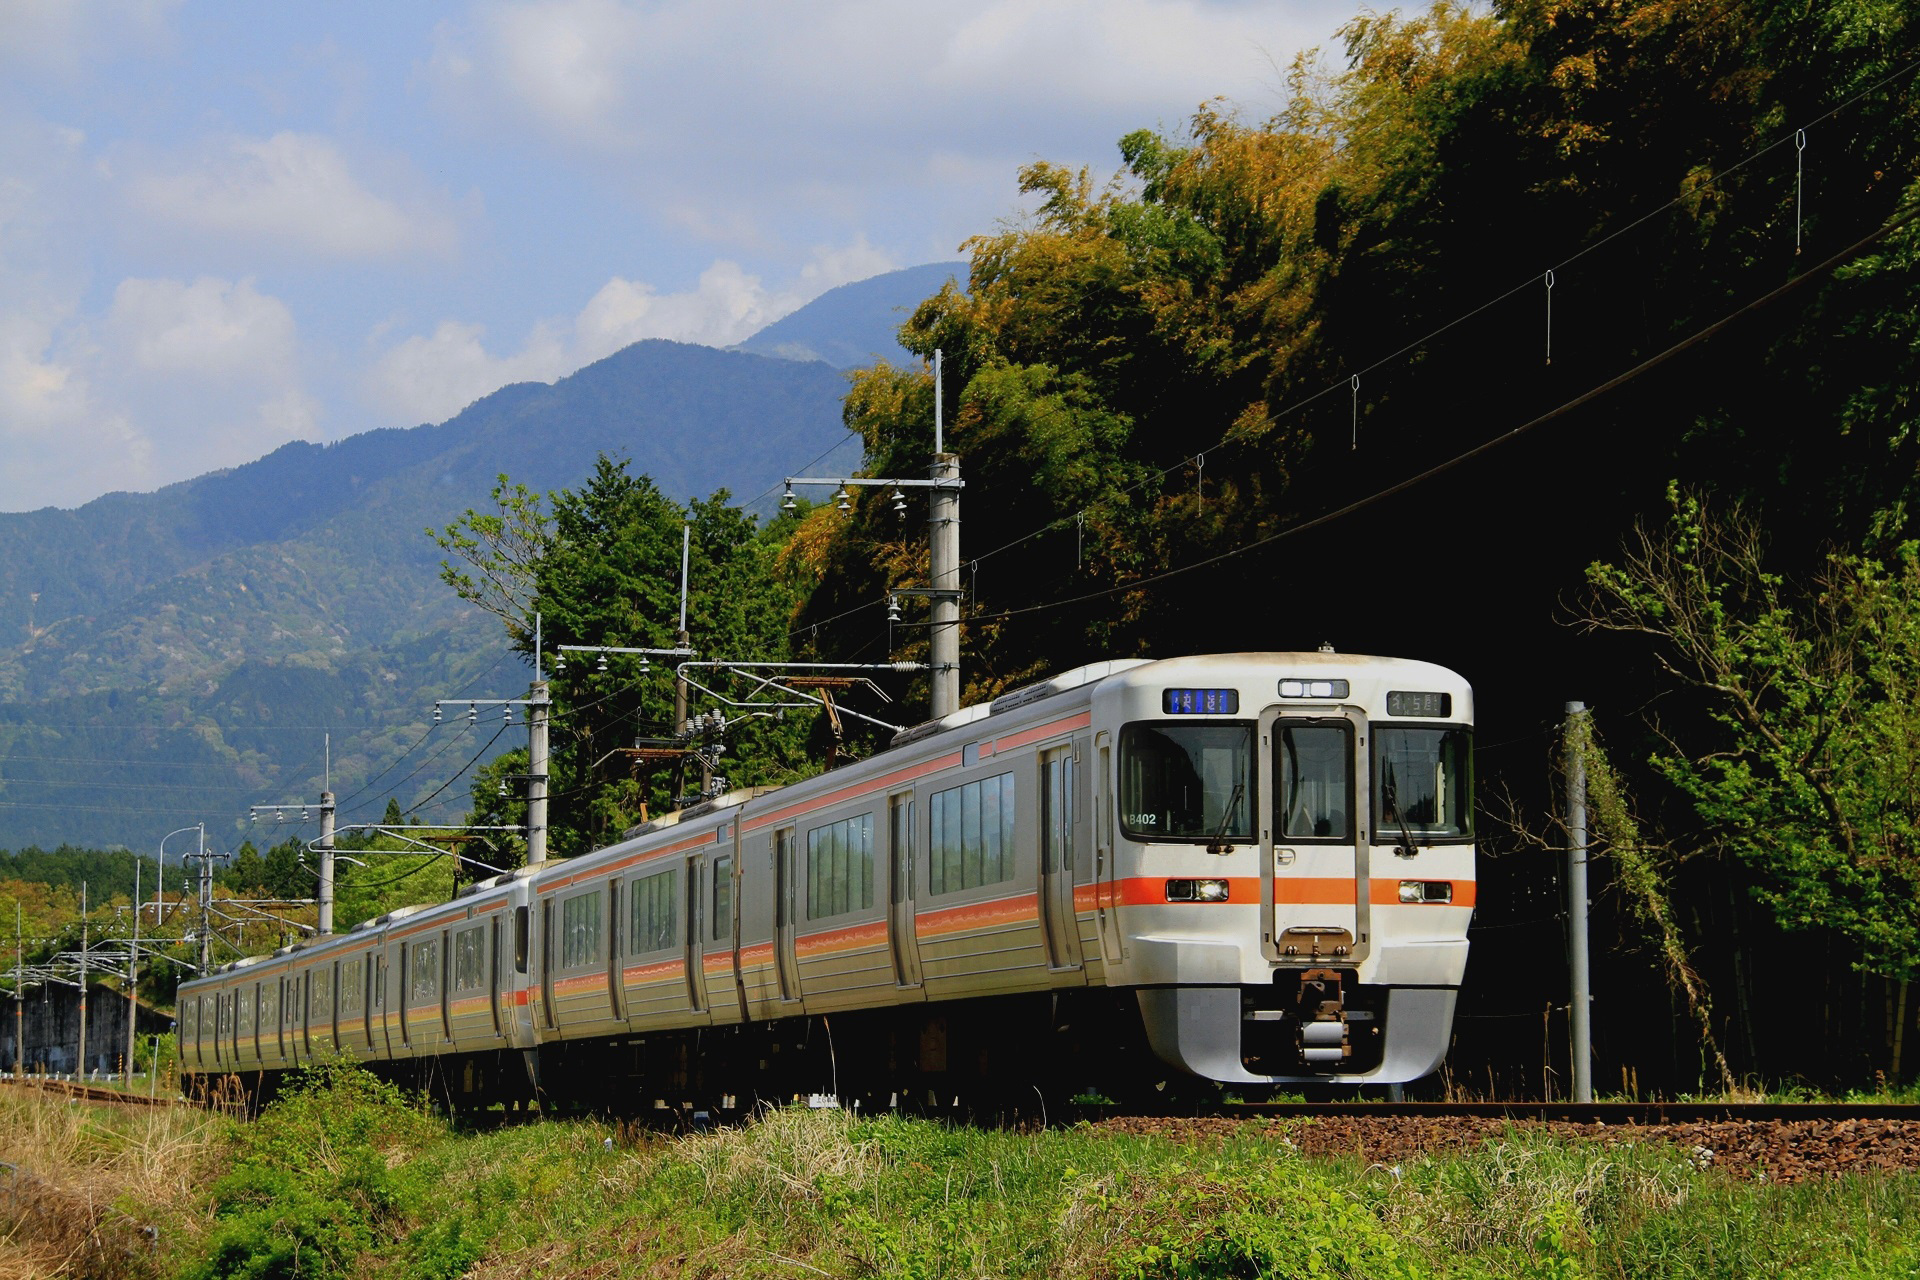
{"x":786,"y":962}
{"x":496,"y":977}
{"x":546,"y":963}
{"x":1106,"y":884}
{"x":900,"y":898}
{"x":616,"y":947}
{"x":1056,"y":858}
{"x":694,"y":948}
{"x":718,"y":963}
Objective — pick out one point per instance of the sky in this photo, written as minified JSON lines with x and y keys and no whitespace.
{"x":227,"y":226}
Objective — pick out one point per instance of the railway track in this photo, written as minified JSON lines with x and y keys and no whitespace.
{"x":1592,"y":1113}
{"x":88,"y":1092}
{"x":1774,"y":1142}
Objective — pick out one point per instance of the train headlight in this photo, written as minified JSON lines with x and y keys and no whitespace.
{"x":1196,"y":891}
{"x":1426,"y":891}
{"x":1313,"y":688}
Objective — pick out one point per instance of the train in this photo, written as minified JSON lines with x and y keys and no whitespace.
{"x":1251,"y":871}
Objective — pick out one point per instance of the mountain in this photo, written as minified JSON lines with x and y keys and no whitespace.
{"x":172,"y":657}
{"x":855,"y":324}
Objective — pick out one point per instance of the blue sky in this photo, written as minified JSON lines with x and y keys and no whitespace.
{"x":226,"y":226}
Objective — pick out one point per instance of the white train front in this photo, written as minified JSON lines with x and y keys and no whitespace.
{"x":1255,"y":868}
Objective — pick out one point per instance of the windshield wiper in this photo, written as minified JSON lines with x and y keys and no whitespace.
{"x":1390,"y":792}
{"x":1219,"y":844}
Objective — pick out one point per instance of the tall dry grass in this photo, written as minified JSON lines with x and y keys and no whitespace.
{"x":85,"y":1187}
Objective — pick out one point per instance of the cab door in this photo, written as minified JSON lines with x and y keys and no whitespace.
{"x":1106,"y":885}
{"x":1314,"y":889}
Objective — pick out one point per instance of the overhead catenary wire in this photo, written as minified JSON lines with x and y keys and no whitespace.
{"x":1592,"y":393}
{"x":1350,"y":382}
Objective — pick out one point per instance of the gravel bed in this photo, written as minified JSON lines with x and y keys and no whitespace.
{"x":1777,"y":1151}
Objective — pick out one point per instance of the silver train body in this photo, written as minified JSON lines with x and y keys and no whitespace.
{"x":1253,"y":868}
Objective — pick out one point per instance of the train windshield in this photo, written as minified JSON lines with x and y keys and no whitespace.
{"x":1187,"y":781}
{"x":1422,"y":783}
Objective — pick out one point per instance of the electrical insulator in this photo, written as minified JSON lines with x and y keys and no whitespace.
{"x":503,"y":790}
{"x":509,"y":713}
{"x":899,"y":503}
{"x":893,"y":608}
{"x":787,"y":503}
{"x":644,"y":665}
{"x":473,"y":713}
{"x":560,"y":664}
{"x":603,"y":662}
{"x":436,"y":713}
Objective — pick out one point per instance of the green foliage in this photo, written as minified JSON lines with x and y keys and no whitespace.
{"x":601,"y":565}
{"x":1810,"y":776}
{"x":1282,"y":1221}
{"x":322,"y":1178}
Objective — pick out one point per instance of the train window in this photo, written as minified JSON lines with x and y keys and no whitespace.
{"x":293,"y":1015}
{"x":1187,"y":781}
{"x":520,"y":915}
{"x":970,"y":840}
{"x":423,"y":971}
{"x":243,"y":1014}
{"x":189,"y":1021}
{"x":650,"y":924}
{"x":321,"y":1001}
{"x":722,"y":898}
{"x":209,"y":1020}
{"x":269,"y":1006}
{"x":469,"y":970}
{"x":580,"y":930}
{"x":353,"y":985}
{"x":840,"y":867}
{"x":1313,"y":781}
{"x":1422,"y":783}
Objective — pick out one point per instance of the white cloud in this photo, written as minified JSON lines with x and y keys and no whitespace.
{"x":429,"y":378}
{"x":829,"y":115}
{"x":426,"y":379}
{"x":63,"y":35}
{"x":209,"y":329}
{"x":175,"y":379}
{"x":295,"y":189}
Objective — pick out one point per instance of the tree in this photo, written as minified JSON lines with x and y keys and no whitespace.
{"x":1808,"y":770}
{"x":600,"y":564}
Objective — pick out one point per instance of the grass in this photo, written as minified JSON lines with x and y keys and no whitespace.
{"x":351,"y":1179}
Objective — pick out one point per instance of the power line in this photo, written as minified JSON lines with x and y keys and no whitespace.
{"x":1344,"y":383}
{"x":1591,"y":394}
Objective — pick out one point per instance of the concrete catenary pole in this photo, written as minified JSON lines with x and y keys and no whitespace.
{"x":81,"y":1065}
{"x":133,"y":970}
{"x":19,"y":996}
{"x":325,"y":850}
{"x":944,"y":545}
{"x":206,"y":906}
{"x":681,"y":640}
{"x":538,"y":704}
{"x":1580,"y":1001}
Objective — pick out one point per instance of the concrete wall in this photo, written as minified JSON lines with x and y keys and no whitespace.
{"x":51,"y":1017}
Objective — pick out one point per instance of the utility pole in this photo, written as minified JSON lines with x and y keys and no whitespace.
{"x":133,"y":960}
{"x":19,"y":995}
{"x":82,"y":1064}
{"x":1580,"y":1002}
{"x":538,"y":704}
{"x":681,"y":640}
{"x":943,"y":548}
{"x":325,"y":849}
{"x":943,"y":535}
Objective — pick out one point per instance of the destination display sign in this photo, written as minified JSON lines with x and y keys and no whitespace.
{"x":1411,"y":703}
{"x":1200,"y":702}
